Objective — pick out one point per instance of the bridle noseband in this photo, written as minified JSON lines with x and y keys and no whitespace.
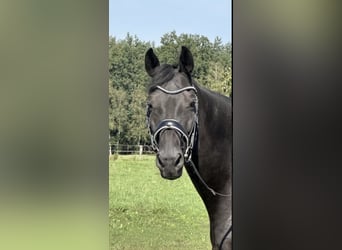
{"x":172,"y":124}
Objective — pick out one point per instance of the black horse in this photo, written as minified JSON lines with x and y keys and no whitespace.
{"x":190,"y":125}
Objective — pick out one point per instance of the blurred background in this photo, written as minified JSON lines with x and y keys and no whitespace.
{"x":54,"y":125}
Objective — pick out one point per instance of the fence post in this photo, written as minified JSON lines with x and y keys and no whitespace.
{"x":140,"y":149}
{"x":110,"y":149}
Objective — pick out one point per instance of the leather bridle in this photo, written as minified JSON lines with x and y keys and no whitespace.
{"x":189,"y":138}
{"x":172,"y":124}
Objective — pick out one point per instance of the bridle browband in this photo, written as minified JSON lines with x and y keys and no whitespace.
{"x":177,"y":91}
{"x":172,"y":124}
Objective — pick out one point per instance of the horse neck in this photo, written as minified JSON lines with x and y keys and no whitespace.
{"x":214,"y":110}
{"x":214,"y":136}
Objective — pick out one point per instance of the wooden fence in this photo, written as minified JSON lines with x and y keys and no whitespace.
{"x":129,"y":149}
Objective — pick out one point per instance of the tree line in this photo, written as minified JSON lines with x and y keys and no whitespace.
{"x":128,"y":79}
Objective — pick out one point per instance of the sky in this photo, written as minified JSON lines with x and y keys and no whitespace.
{"x":150,"y":19}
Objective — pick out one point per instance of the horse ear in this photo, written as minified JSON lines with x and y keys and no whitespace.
{"x":186,"y":62}
{"x":151,"y":62}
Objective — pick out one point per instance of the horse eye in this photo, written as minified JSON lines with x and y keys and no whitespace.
{"x":192,"y":107}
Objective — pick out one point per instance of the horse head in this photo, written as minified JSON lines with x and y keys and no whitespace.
{"x":171,"y":112}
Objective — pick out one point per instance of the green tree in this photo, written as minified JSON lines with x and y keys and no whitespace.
{"x":219,"y":78}
{"x":117,"y":112}
{"x":137,"y":113}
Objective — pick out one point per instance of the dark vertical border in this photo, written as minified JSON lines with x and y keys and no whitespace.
{"x":287,"y":126}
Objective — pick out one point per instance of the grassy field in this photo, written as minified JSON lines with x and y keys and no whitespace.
{"x":148,"y":212}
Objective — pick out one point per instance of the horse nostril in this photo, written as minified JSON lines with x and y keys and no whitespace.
{"x":159,"y":160}
{"x":165,"y":161}
{"x":178,"y":159}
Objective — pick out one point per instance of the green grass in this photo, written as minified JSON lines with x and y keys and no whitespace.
{"x":148,"y":212}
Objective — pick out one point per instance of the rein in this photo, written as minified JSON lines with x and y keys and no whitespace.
{"x":225,"y":236}
{"x":214,"y":193}
{"x":203,"y":182}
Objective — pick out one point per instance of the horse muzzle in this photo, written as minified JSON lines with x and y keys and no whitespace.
{"x":170,"y":165}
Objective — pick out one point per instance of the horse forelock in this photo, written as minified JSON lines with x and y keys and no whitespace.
{"x":164,"y":74}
